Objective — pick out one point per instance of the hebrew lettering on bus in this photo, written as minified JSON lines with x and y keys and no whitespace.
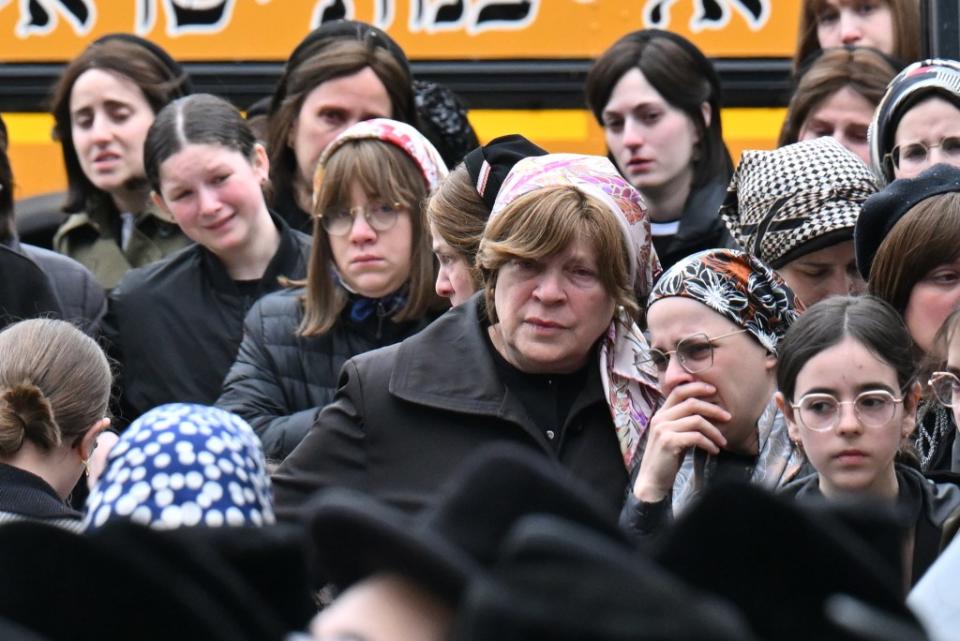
{"x":709,"y":14}
{"x":473,"y":17}
{"x":40,"y":17}
{"x":184,"y":16}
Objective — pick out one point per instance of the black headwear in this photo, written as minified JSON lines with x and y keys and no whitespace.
{"x":882,"y":210}
{"x":176,"y":72}
{"x":489,"y":165}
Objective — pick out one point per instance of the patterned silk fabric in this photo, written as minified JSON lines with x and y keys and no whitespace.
{"x":632,"y":390}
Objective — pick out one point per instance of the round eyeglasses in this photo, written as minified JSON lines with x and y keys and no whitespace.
{"x":913,"y":155}
{"x":946,"y":387}
{"x":695,"y":353}
{"x":821,"y":412}
{"x":380,"y":216}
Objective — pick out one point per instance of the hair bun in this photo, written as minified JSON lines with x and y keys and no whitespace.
{"x":25,"y":412}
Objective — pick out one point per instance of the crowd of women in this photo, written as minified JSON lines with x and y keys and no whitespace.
{"x":336,"y":371}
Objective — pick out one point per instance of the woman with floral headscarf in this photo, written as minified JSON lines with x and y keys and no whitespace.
{"x":369,"y":282}
{"x":716,"y":319}
{"x":545,"y":356}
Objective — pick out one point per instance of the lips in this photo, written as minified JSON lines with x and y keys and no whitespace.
{"x":543,"y":323}
{"x":850,"y":457}
{"x":219,"y":223}
{"x":639,"y":164}
{"x":366,"y":259}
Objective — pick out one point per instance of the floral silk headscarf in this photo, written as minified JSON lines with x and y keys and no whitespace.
{"x":631,"y":390}
{"x":739,"y":287}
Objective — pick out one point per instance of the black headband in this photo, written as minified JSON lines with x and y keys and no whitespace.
{"x":489,"y":165}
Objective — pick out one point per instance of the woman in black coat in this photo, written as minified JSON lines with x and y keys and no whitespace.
{"x":370,"y":282}
{"x":175,"y":325}
{"x":544,"y":356}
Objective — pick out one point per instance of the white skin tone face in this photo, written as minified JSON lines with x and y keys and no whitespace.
{"x":552,"y":311}
{"x":214,"y":194}
{"x":109,"y":119}
{"x":928,"y":122}
{"x":715,"y":409}
{"x":327,"y":110}
{"x":831,"y":271}
{"x":845,"y":116}
{"x":453,"y":277}
{"x":851,"y":457}
{"x":864,"y":23}
{"x":373,"y":263}
{"x":383,"y":608}
{"x":652,"y":143}
{"x":931,"y":301}
{"x":953,"y":366}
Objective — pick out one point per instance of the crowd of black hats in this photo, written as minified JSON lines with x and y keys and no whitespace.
{"x":515,"y":546}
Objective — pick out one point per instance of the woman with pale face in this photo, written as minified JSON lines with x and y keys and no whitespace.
{"x":545,"y":357}
{"x":103,"y":105}
{"x":907,"y":244}
{"x":459,"y":209}
{"x":778,"y":210}
{"x":715,"y":321}
{"x":917,"y":124}
{"x":945,"y":384}
{"x":890,"y":26}
{"x":369,"y":283}
{"x":848,"y":389}
{"x":340,"y":74}
{"x":657,"y":98}
{"x":207,"y":172}
{"x":836,"y":95}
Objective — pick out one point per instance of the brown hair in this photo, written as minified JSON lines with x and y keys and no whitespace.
{"x":682,"y":75}
{"x":7,"y":223}
{"x":336,"y":59}
{"x":926,"y":237}
{"x":906,"y":26}
{"x":158,"y":81}
{"x":866,"y":71}
{"x":54,"y":384}
{"x":459,"y":215}
{"x":384,"y":172}
{"x":544,"y":222}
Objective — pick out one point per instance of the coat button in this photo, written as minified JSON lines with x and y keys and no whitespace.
{"x":550,"y":434}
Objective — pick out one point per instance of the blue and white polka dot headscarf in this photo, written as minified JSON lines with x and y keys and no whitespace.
{"x":183,"y":465}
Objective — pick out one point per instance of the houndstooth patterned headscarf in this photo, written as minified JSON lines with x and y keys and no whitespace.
{"x":803,"y":197}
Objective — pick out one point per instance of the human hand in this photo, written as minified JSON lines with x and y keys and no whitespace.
{"x":686,"y":420}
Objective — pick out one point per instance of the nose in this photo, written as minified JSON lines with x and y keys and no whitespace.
{"x":444,"y":287}
{"x":361,"y":232}
{"x":674,"y":375}
{"x":549,"y":287}
{"x":850,"y":31}
{"x":209,"y":203}
{"x":847,"y":421}
{"x":855,"y":283}
{"x":633,"y":135}
{"x":100,"y":130}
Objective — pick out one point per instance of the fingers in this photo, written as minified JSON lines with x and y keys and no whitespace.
{"x":690,"y":431}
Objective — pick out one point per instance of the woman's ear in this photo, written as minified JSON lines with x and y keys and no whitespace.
{"x":261,"y":162}
{"x":159,"y":203}
{"x":787,"y":410}
{"x":911,"y":399}
{"x":89,"y":441}
{"x":707,"y":113}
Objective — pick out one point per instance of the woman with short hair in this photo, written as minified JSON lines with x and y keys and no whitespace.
{"x":546,"y":357}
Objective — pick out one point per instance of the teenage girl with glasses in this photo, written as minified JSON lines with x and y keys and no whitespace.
{"x":369,"y":282}
{"x":848,"y":389}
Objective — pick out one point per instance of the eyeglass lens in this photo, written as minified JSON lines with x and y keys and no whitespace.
{"x":821,"y":412}
{"x":946,"y":387}
{"x":380,"y":216}
{"x":915,"y":154}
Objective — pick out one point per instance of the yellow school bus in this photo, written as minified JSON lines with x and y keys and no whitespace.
{"x":519,"y":65}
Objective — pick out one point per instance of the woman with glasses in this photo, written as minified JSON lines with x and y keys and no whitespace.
{"x":546,"y":358}
{"x":849,"y":393}
{"x":907,"y":242}
{"x":945,"y":383}
{"x":369,"y":282}
{"x":716,"y":319}
{"x":175,"y":326}
{"x":917,"y":123}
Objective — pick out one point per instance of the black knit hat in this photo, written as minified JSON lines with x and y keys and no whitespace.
{"x":356,"y":537}
{"x":559,"y":581}
{"x":882,"y":210}
{"x":920,"y":80}
{"x":489,"y":165}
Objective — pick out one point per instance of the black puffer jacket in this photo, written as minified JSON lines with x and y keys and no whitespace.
{"x":175,"y":325}
{"x":280,"y":380}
